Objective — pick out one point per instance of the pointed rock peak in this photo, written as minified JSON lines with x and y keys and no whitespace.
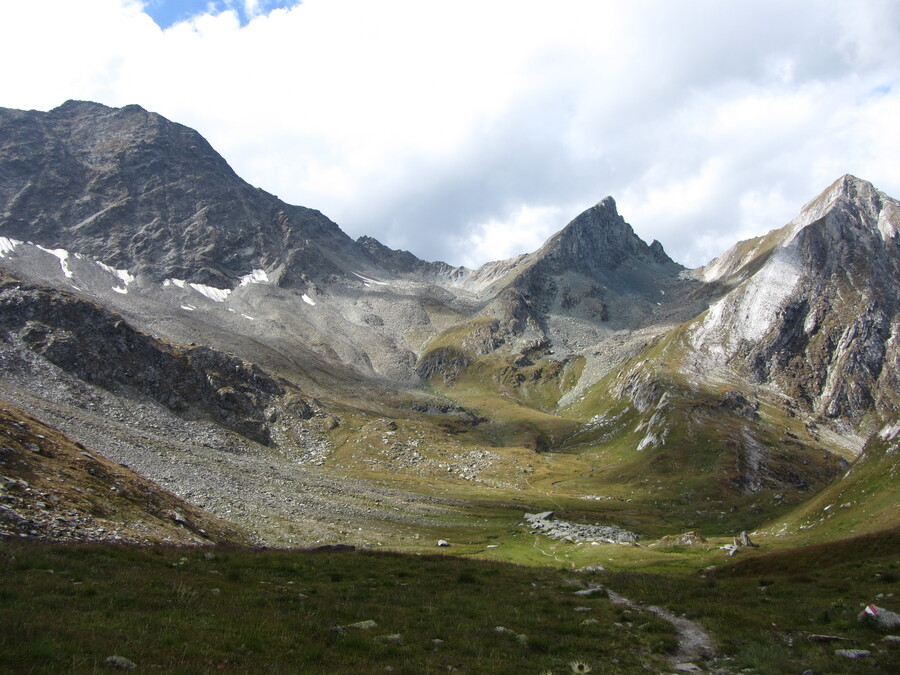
{"x":871,"y":209}
{"x":607,"y":203}
{"x":850,"y":184}
{"x":600,"y":236}
{"x":847,"y":188}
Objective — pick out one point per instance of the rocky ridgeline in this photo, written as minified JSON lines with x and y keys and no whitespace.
{"x":802,"y":321}
{"x":544,"y":523}
{"x":817,"y":317}
{"x":99,"y":347}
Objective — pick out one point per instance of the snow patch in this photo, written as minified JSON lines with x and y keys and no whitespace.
{"x":123,"y":290}
{"x":211,"y":292}
{"x":308,"y":300}
{"x":255,"y":277}
{"x":63,"y":256}
{"x":189,"y":308}
{"x":8,"y":245}
{"x":124,"y":275}
{"x":247,"y":316}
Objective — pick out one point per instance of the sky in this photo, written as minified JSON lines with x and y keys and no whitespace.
{"x":470,"y":131}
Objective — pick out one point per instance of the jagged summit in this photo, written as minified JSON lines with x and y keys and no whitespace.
{"x":851,"y":210}
{"x":599,"y":236}
{"x":864,"y":207}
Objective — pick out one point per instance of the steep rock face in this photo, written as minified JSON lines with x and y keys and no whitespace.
{"x":138,"y":192}
{"x":599,"y":239}
{"x":818,"y":319}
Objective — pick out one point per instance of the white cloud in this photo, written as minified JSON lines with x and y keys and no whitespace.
{"x":462,"y":131}
{"x":525,"y":229}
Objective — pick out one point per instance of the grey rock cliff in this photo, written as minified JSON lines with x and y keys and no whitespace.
{"x":817,"y":319}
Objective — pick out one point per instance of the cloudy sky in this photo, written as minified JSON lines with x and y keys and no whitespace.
{"x":469,"y":131}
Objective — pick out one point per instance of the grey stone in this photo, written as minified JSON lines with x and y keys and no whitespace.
{"x":537,"y":517}
{"x":392,"y":639}
{"x":119,"y":662}
{"x":853,"y":653}
{"x":880,"y":616}
{"x":368,"y":624}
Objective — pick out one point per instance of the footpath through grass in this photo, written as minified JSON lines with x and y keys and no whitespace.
{"x":765,"y":610}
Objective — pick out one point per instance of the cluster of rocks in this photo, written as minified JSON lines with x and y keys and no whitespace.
{"x":395,"y":453}
{"x":744,"y":540}
{"x":684,"y":539}
{"x":543,"y":523}
{"x":33,"y":514}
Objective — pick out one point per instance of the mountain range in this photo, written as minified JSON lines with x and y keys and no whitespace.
{"x":288,"y":385}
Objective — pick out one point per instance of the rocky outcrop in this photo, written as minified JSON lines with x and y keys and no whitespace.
{"x":446,"y":361}
{"x":545,"y":523}
{"x":405,"y":263}
{"x":818,"y":318}
{"x":100,"y":348}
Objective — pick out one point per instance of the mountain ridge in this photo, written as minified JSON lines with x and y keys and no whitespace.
{"x":298,"y":351}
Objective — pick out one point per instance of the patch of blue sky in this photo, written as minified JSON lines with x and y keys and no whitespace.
{"x":874,"y":93}
{"x":167,"y":13}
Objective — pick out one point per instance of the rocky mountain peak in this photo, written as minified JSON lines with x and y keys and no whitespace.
{"x":139,"y":192}
{"x":600,"y":237}
{"x":815,"y":304}
{"x":857,"y":204}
